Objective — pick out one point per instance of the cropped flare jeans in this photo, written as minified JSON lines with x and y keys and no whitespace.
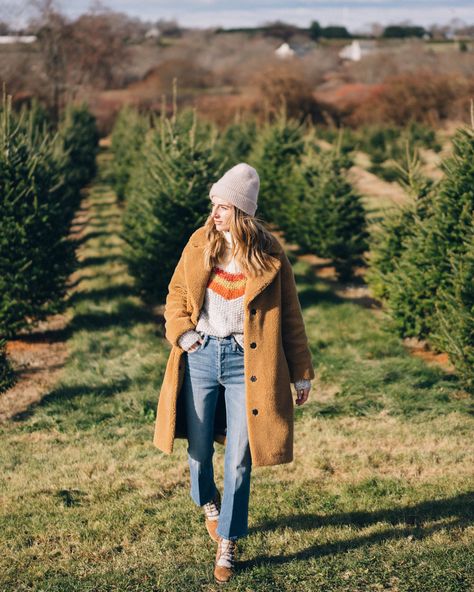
{"x":218,"y":361}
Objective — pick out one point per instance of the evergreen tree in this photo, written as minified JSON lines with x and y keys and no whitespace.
{"x":453,"y":330}
{"x":425,"y":265}
{"x":127,"y":140}
{"x":6,"y":371}
{"x":235,"y":143}
{"x":278,"y":149}
{"x":389,"y":237}
{"x":169,"y":199}
{"x":80,"y":139}
{"x":36,"y":256}
{"x":330,"y":216}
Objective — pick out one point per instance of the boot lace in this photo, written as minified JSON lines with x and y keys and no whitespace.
{"x":212,"y":509}
{"x":226,"y":553}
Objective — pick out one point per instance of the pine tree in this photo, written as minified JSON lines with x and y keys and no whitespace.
{"x":438,"y":240}
{"x":169,"y":199}
{"x":389,"y":237}
{"x":127,"y":139}
{"x":330,"y":217}
{"x":236,"y":142}
{"x":6,"y":371}
{"x":36,"y":256}
{"x":80,"y":139}
{"x":278,"y":149}
{"x":453,"y":330}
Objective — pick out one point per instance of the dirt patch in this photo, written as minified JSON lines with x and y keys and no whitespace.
{"x":371,"y":186}
{"x":37,"y":359}
{"x":421,"y":349}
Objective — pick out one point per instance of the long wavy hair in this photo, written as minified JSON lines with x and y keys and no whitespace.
{"x":251,"y":241}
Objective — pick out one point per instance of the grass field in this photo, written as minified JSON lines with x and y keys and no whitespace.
{"x":380,"y":496}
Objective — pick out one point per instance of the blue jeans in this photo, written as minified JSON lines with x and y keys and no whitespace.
{"x":218,"y":361}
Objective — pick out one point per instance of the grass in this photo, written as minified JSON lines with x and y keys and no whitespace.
{"x":379,"y":496}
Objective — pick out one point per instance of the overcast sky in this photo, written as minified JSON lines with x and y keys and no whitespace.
{"x":354,"y":14}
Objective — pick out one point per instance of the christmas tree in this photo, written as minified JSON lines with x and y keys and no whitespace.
{"x":168,"y":200}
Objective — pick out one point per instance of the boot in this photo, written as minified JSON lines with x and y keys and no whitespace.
{"x":212,"y":510}
{"x":225,"y":558}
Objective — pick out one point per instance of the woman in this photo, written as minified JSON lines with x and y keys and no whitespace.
{"x":238,"y":340}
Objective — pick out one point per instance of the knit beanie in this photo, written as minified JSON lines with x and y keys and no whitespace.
{"x":239,"y":186}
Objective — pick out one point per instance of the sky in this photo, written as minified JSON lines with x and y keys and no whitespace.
{"x":354,"y":14}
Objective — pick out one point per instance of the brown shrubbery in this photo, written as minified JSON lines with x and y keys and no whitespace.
{"x":420,"y":96}
{"x":287,"y":82}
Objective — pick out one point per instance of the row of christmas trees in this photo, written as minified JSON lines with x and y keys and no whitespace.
{"x":42,"y":170}
{"x":421,"y":258}
{"x":163,"y":168}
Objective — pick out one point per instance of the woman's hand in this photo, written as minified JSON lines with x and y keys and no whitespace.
{"x":195,"y":345}
{"x":302,"y":395}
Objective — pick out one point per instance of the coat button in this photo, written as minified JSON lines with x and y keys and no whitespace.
{"x":253,"y":311}
{"x":255,"y":411}
{"x":253,"y":378}
{"x":253,"y":345}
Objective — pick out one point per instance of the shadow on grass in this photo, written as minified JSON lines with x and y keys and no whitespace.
{"x":310,"y":297}
{"x":89,"y":236}
{"x":126,"y":315}
{"x":101,"y":260}
{"x":93,"y":276}
{"x":408,"y":521}
{"x":67,"y":393}
{"x":97,"y":295}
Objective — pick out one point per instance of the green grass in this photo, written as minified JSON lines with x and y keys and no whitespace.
{"x":379,"y":496}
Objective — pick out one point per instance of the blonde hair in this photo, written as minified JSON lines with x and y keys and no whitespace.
{"x":251,"y":241}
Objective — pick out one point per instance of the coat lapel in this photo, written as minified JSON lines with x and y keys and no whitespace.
{"x":197,"y":277}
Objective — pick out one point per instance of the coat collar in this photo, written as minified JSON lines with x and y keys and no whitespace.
{"x":198,"y":277}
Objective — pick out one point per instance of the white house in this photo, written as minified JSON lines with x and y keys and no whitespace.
{"x":152,"y":33}
{"x":356,"y":50}
{"x":284,"y":51}
{"x":7,"y":39}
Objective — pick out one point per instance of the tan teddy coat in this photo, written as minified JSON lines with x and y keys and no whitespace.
{"x":276,"y":353}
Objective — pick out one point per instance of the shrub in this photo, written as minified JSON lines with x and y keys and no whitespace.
{"x":419,"y":96}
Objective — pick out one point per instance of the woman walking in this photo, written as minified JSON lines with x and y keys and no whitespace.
{"x":238,"y":340}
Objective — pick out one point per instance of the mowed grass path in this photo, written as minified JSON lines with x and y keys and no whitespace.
{"x":379,"y":496}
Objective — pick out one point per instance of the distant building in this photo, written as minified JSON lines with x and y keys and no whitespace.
{"x":357,"y":50}
{"x":7,"y":39}
{"x":152,"y":33}
{"x":284,"y":51}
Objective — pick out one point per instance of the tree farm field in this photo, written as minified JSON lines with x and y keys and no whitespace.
{"x":379,"y":497}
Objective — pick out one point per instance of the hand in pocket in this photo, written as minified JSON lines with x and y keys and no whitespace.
{"x":195,"y":346}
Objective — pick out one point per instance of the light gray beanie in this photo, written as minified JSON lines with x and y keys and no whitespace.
{"x":239,"y":186}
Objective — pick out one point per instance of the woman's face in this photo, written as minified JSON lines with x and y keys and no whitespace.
{"x":221,"y":213}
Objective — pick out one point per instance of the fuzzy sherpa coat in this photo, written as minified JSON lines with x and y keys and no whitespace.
{"x":276,"y":353}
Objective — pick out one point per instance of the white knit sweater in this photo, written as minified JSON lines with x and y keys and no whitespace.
{"x":222,"y":312}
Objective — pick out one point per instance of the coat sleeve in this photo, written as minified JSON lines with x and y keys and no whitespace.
{"x":295,"y":341}
{"x":177,"y":318}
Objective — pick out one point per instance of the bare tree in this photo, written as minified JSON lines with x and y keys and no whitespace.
{"x":96,"y":51}
{"x":53,"y":31}
{"x":88,"y":52}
